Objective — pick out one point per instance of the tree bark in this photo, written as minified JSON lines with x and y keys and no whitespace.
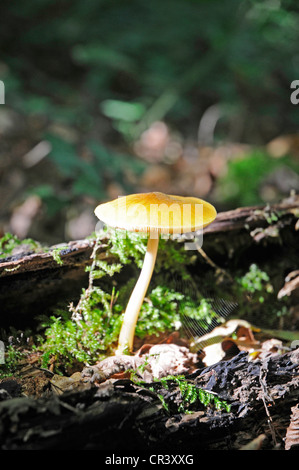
{"x":118,"y":415}
{"x":33,"y":283}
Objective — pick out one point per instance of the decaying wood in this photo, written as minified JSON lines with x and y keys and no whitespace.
{"x":254,"y":216}
{"x":97,"y":410}
{"x":32,"y":283}
{"x":121,"y":415}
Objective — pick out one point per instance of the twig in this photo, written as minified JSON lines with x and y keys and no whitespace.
{"x":76,"y":315}
{"x":213,"y":264}
{"x":267,"y":397}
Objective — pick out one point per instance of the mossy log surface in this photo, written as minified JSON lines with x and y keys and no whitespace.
{"x":33,"y":283}
{"x":118,"y":414}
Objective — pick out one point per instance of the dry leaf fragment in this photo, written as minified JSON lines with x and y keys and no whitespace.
{"x":235,"y":334}
{"x":291,"y":284}
{"x":292,"y":435}
{"x":149,"y":362}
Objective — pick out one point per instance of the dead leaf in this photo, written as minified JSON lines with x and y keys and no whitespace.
{"x":291,"y":284}
{"x":170,"y":359}
{"x":292,"y":434}
{"x":225,"y":341}
{"x":149,"y":363}
{"x":60,"y":384}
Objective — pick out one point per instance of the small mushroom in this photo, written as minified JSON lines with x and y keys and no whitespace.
{"x":154,"y":214}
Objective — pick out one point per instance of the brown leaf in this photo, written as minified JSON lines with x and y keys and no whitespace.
{"x":291,"y":284}
{"x":292,"y":435}
{"x":150,"y":362}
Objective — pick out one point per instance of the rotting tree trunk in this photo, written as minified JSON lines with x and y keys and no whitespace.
{"x":118,"y":414}
{"x":33,"y":283}
{"x":122,"y":416}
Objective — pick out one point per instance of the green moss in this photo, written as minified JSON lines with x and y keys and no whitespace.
{"x":164,"y":310}
{"x":255,"y":282}
{"x":56,"y":253}
{"x":241,"y":185}
{"x":257,"y":300}
{"x":191,"y":396}
{"x":13,"y":355}
{"x":89,"y":330}
{"x":9,"y":242}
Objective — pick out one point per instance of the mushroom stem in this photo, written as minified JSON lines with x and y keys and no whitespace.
{"x":126,"y":337}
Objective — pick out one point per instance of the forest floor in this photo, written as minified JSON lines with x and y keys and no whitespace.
{"x":239,"y":392}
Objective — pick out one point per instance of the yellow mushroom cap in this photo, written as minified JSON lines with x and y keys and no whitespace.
{"x":156,"y":212}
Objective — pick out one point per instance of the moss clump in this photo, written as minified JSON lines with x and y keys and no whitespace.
{"x":9,"y":243}
{"x":89,"y":331}
{"x":164,"y":310}
{"x":255,"y":282}
{"x":257,"y":298}
{"x":12,"y":358}
{"x":191,"y":396}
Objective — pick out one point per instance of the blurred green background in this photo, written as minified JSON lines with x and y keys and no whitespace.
{"x":104,"y":98}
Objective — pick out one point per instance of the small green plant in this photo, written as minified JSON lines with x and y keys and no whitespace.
{"x":12,"y":357}
{"x":191,"y":395}
{"x":256,"y":282}
{"x":56,"y":254}
{"x":89,"y":329}
{"x":242,"y":184}
{"x":165,"y":309}
{"x":257,"y":299}
{"x":9,"y":242}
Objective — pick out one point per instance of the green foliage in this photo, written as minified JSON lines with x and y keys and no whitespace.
{"x":159,"y":312}
{"x":89,"y":330}
{"x":9,"y":242}
{"x":12,"y":357}
{"x":84,"y":73}
{"x":84,"y":340}
{"x":56,"y":253}
{"x":256,"y":282}
{"x":128,"y":246}
{"x":174,"y":58}
{"x":191,"y":395}
{"x":257,"y":299}
{"x":241,"y":186}
{"x":173,"y":260}
{"x":165,"y":308}
{"x":90,"y":175}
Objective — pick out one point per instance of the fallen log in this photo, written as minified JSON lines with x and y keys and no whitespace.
{"x":32,"y":283}
{"x":121,"y":415}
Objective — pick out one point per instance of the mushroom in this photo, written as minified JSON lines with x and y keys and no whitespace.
{"x":153,"y":213}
